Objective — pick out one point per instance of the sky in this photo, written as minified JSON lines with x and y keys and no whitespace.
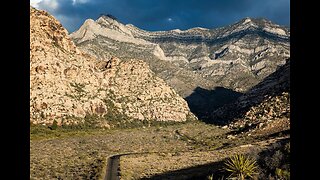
{"x":156,"y":15}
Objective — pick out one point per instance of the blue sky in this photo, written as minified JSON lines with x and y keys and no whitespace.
{"x":166,"y":14}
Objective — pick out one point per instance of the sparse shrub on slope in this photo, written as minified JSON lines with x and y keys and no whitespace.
{"x":275,"y":162}
{"x":54,"y":125}
{"x":282,"y":174}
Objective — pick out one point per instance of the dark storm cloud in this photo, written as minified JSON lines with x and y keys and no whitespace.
{"x":168,"y":14}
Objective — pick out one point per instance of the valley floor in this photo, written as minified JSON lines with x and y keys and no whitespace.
{"x":151,"y":152}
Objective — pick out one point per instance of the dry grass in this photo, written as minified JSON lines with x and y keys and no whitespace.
{"x":139,"y":166}
{"x":81,"y":153}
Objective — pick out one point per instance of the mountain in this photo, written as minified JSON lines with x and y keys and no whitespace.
{"x":106,"y":37}
{"x":254,"y":46}
{"x":72,"y":87}
{"x":235,"y":57}
{"x":266,"y":103}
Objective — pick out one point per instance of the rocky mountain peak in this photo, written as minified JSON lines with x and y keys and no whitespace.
{"x":265,"y":25}
{"x":262,"y":22}
{"x":260,"y":25}
{"x":248,"y":22}
{"x":106,"y":19}
{"x":47,"y":27}
{"x":108,"y":16}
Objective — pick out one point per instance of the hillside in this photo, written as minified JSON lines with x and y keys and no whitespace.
{"x":72,"y":87}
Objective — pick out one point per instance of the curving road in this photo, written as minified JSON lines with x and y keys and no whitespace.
{"x":113,"y":162}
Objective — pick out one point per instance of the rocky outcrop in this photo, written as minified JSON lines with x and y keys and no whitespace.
{"x":272,"y":107}
{"x":70,"y":86}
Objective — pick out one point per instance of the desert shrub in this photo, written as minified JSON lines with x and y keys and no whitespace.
{"x":79,"y":91}
{"x":275,"y":162}
{"x":113,"y":115}
{"x":54,"y":125}
{"x":91,"y":120}
{"x":241,"y":166}
{"x":282,"y":174}
{"x":39,"y":129}
{"x":287,"y":148}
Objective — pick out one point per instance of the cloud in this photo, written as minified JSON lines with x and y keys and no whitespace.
{"x":75,"y":2}
{"x":155,"y":14}
{"x":34,"y":3}
{"x":51,"y":5}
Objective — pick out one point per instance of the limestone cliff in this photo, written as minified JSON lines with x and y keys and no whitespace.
{"x":237,"y":56}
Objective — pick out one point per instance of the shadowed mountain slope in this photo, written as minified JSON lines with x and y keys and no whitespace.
{"x":268,"y":100}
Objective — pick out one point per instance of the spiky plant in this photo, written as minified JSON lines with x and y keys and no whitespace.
{"x":241,"y":166}
{"x":210,"y":177}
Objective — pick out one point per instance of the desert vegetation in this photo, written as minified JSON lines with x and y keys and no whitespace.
{"x":241,"y":166}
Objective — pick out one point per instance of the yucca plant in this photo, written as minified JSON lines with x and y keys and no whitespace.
{"x":241,"y":166}
{"x":210,"y":177}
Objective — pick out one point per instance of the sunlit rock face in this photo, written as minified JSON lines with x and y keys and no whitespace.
{"x":68,"y":85}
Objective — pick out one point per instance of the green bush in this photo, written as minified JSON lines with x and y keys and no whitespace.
{"x":241,"y":166}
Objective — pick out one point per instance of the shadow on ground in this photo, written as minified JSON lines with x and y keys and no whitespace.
{"x":193,"y":173}
{"x":203,"y":102}
{"x":216,"y":169}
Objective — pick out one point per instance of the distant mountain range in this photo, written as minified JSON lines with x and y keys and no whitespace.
{"x":194,"y":62}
